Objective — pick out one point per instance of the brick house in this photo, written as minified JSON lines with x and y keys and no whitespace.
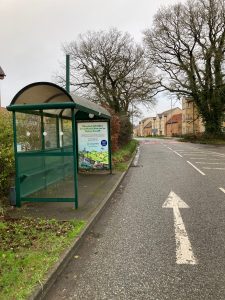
{"x":159,"y":122}
{"x":174,"y":125}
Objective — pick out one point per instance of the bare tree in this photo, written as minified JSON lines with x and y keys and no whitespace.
{"x":110,"y":68}
{"x":187,"y":44}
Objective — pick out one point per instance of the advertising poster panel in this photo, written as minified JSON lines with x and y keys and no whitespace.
{"x":93,"y":145}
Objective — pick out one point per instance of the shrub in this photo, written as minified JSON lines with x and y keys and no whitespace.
{"x":115,"y":128}
{"x":115,"y":131}
{"x":125,"y":130}
{"x":6,"y":151}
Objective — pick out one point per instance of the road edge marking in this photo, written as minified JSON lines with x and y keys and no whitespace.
{"x":222,"y":190}
{"x":136,"y":159}
{"x":208,"y":168}
{"x":178,"y":153}
{"x":174,"y":151}
{"x":195,"y":168}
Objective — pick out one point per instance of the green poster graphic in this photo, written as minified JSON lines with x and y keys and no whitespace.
{"x":93,"y":146}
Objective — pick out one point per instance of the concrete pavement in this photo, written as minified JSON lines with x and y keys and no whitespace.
{"x":131,"y":252}
{"x":93,"y":188}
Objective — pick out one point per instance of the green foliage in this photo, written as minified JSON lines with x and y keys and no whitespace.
{"x":121,"y":157}
{"x":6,"y":151}
{"x":28,"y":249}
{"x":125,"y":130}
{"x":204,"y":139}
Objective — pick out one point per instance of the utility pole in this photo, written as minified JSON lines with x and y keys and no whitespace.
{"x":2,"y":76}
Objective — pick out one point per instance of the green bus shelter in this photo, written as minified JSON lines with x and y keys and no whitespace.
{"x":46,"y":119}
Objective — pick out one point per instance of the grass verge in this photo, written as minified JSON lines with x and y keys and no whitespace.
{"x":28,"y":249}
{"x":121,"y":157}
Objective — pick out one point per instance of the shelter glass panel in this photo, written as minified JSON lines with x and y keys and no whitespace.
{"x":49,"y":175}
{"x":50,"y":132}
{"x":28,"y":132}
{"x":67,"y":132}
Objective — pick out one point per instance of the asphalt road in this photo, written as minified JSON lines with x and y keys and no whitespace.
{"x":133,"y":250}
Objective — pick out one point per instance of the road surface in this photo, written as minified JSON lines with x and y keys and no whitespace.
{"x":163,"y":234}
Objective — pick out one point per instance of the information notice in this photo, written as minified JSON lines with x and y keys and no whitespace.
{"x":93,"y":146}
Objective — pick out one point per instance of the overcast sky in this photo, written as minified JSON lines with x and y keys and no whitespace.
{"x":32,"y":32}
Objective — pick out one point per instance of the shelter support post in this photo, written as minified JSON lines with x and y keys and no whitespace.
{"x":57,"y":132}
{"x":43,"y":141}
{"x":75,"y":154}
{"x":17,"y":179}
{"x":42,"y":131}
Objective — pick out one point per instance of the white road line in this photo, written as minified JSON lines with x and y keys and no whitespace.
{"x":195,"y":167}
{"x":205,"y":158}
{"x":222,"y":190}
{"x":209,"y":163}
{"x":197,"y":157}
{"x":220,"y":154}
{"x":177,"y":153}
{"x":203,"y":155}
{"x":196,"y":152}
{"x":210,"y":159}
{"x":207,"y":168}
{"x":200,"y":154}
{"x":184,"y":251}
{"x":136,"y":157}
{"x":184,"y":151}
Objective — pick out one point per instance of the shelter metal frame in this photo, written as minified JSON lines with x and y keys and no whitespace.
{"x":75,"y":111}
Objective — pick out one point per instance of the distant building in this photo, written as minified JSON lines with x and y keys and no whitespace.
{"x":143,"y":128}
{"x":174,"y":125}
{"x":156,"y":125}
{"x":147,"y":130}
{"x":161,"y":120}
{"x":192,"y":122}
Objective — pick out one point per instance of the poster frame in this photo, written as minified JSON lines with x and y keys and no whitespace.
{"x":109,"y":139}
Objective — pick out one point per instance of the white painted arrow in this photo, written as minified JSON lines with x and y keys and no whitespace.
{"x":184,"y":251}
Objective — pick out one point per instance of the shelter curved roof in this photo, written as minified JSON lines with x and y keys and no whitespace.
{"x":53,"y":99}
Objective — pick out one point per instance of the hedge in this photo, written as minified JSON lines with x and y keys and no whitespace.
{"x":6,"y":151}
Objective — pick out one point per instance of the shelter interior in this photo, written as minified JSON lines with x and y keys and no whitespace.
{"x":45,"y":119}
